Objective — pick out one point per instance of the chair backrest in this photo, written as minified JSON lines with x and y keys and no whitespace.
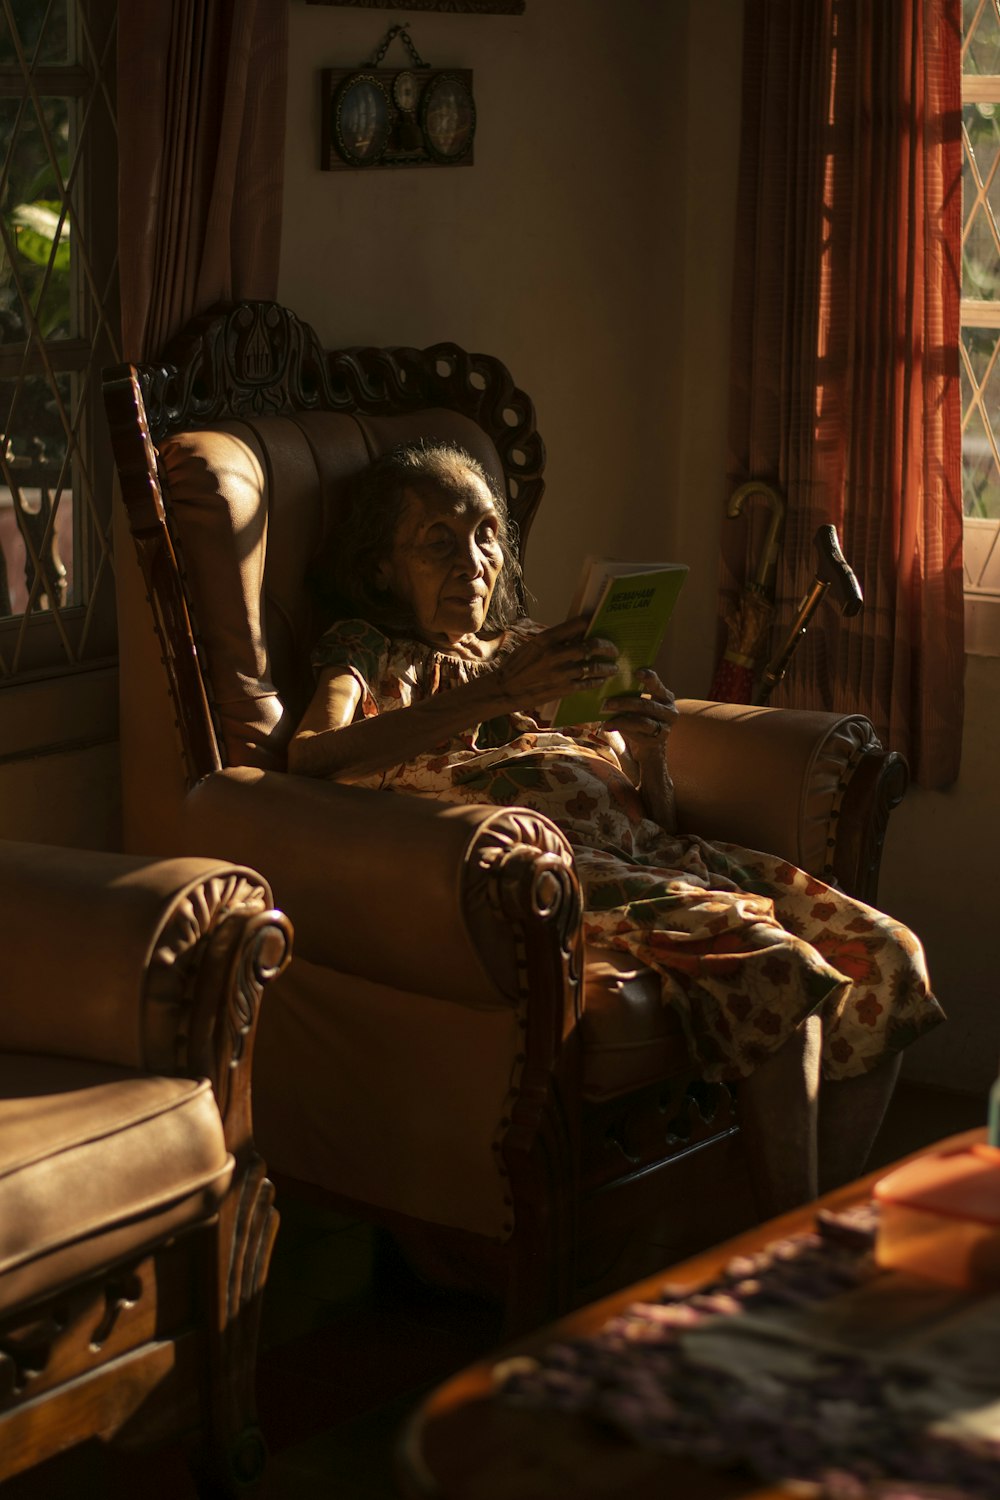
{"x":235,"y":456}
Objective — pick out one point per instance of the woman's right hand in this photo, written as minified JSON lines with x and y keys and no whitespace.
{"x":552,"y":664}
{"x":332,"y":741}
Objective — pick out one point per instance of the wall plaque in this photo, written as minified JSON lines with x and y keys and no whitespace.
{"x":414,"y":116}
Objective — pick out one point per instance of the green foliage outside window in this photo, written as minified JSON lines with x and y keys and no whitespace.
{"x":35,"y":260}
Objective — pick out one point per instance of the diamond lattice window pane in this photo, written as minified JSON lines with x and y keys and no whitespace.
{"x":41,"y":31}
{"x":980,"y":384}
{"x":36,"y":504}
{"x":58,"y":328}
{"x":979,"y":354}
{"x":25,"y":518}
{"x":36,"y":232}
{"x":31,"y":416}
{"x":981,"y":556}
{"x":981,"y":423}
{"x":981,"y":24}
{"x":981,"y":201}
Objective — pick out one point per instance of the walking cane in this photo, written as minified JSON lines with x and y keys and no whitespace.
{"x":832,"y":572}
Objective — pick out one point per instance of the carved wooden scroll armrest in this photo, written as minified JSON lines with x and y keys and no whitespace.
{"x":403,"y":891}
{"x":218,"y":946}
{"x":524,"y":911}
{"x":815,"y":788}
{"x":149,"y":964}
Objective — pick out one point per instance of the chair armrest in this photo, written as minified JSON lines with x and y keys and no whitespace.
{"x":814,"y":788}
{"x":415,"y":894}
{"x":150,"y":964}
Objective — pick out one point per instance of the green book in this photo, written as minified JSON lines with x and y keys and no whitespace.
{"x":630,"y":604}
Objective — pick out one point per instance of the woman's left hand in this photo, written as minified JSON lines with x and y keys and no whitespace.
{"x":644,"y":722}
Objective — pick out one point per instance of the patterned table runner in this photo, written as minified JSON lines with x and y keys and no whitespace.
{"x":804,"y":1362}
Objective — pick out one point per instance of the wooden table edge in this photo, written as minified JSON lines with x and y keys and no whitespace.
{"x":475,"y":1382}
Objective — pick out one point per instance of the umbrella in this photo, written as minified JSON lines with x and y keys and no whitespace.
{"x":748,"y":621}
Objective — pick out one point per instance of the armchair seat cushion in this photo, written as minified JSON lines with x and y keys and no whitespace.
{"x":97,"y":1163}
{"x":630,"y":1038}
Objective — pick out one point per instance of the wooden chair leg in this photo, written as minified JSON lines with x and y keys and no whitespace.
{"x":230,"y":1459}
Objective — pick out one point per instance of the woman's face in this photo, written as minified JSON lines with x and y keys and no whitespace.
{"x":445,"y":559}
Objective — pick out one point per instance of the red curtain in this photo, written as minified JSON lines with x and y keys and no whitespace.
{"x":201,"y":113}
{"x":845,"y":372}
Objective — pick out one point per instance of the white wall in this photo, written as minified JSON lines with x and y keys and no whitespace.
{"x":550,"y":252}
{"x":940,"y":876}
{"x":701,"y":168}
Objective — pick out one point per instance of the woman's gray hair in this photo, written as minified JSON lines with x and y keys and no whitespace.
{"x":366,"y":538}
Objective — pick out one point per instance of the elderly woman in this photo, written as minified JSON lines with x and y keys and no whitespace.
{"x":431,"y":684}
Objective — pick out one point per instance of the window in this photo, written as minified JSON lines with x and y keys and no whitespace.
{"x":980,"y":339}
{"x":58,"y":328}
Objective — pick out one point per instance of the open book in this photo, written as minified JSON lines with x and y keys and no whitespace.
{"x":630,"y":604}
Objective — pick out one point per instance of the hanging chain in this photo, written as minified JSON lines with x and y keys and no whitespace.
{"x":387,"y":40}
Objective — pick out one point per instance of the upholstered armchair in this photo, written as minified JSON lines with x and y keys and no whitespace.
{"x":136,"y":1220}
{"x":443,"y":1053}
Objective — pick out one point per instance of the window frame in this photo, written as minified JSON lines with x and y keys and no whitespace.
{"x":80,"y":636}
{"x":980,"y":535}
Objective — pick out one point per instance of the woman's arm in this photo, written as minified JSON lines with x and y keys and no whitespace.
{"x":644,"y":724}
{"x":331,"y":741}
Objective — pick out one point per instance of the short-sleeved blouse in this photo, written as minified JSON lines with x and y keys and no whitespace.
{"x":746,"y":945}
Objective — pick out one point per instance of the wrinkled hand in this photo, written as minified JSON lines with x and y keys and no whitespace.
{"x":552,"y":664}
{"x":645,"y":722}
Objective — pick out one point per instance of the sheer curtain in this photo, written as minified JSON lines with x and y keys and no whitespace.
{"x":201,"y":111}
{"x":845,"y":372}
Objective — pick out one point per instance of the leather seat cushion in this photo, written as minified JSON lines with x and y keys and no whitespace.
{"x":630,"y":1038}
{"x":96,"y":1163}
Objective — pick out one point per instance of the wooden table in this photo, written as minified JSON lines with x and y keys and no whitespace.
{"x":461,"y":1444}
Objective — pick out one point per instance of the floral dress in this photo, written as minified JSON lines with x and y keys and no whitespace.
{"x":746,"y":945}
